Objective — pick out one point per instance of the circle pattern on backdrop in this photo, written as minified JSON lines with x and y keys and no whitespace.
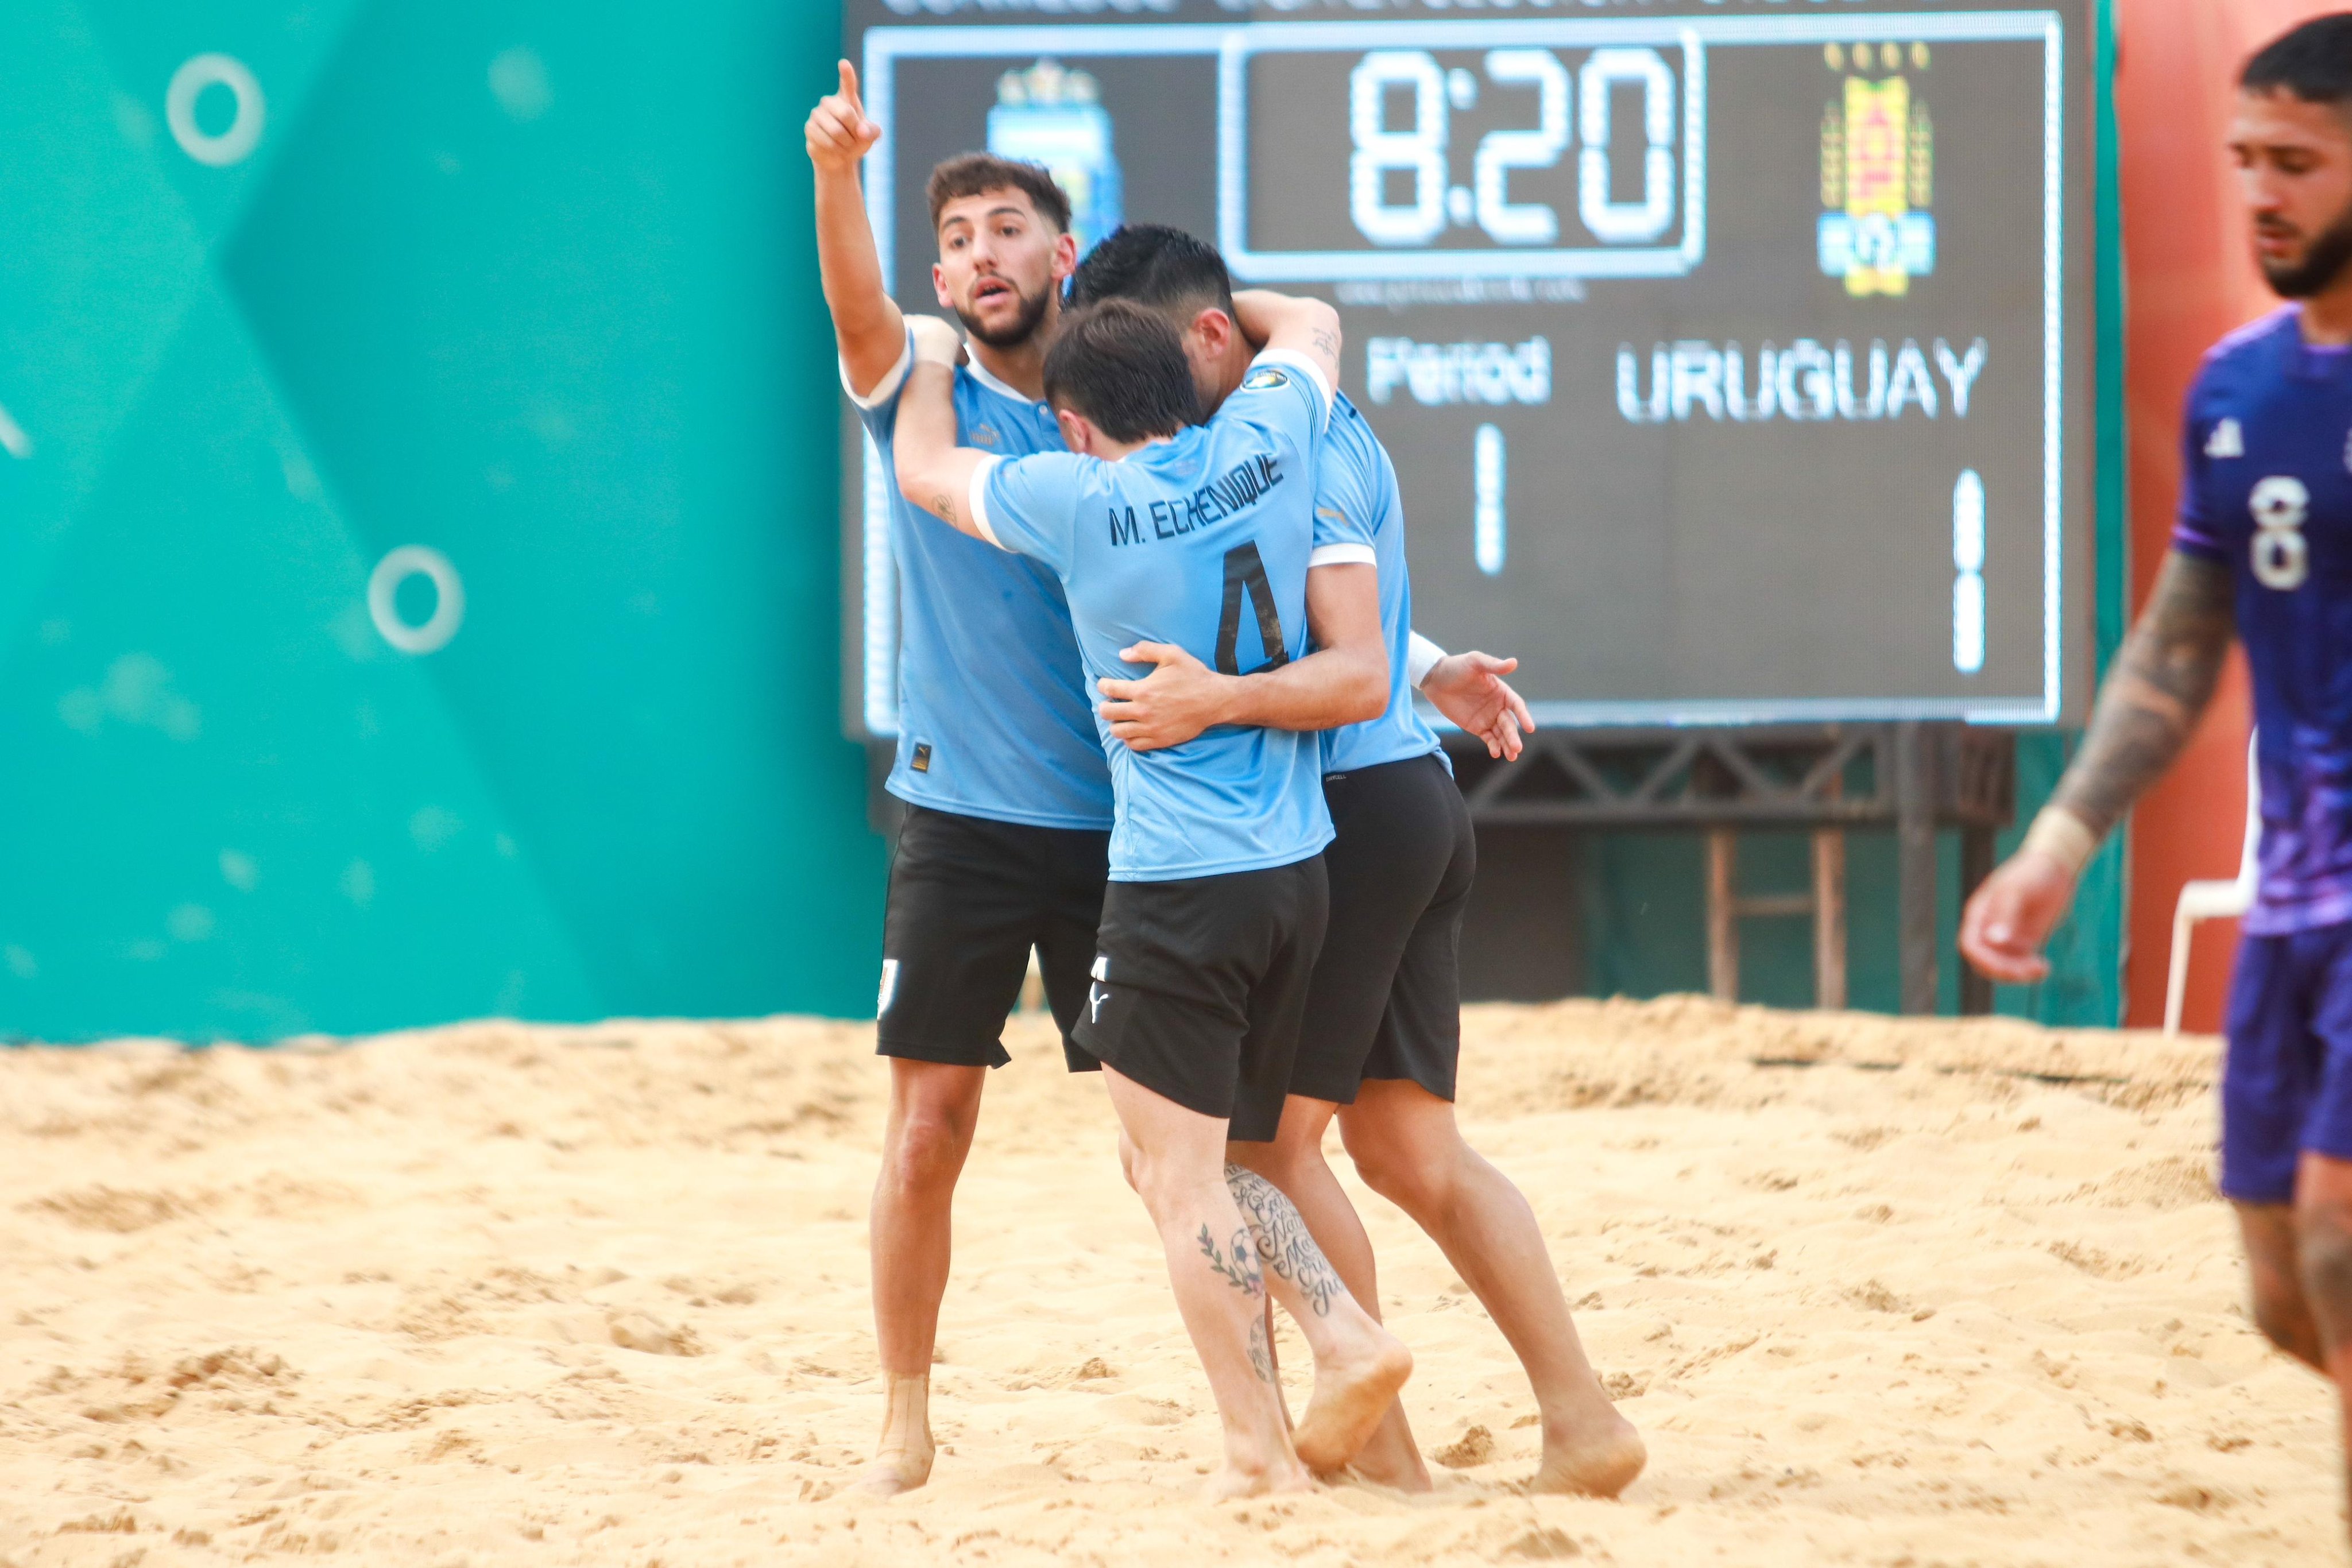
{"x":448,"y":603}
{"x":244,"y":134}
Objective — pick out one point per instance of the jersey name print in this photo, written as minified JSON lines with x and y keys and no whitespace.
{"x":2265,"y":493}
{"x":1212,"y":503}
{"x":1207,"y":545}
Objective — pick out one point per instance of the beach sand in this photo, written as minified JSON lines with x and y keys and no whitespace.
{"x":1875,"y":1293}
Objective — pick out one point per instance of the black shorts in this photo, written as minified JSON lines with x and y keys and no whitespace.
{"x":1198,"y":985}
{"x":1386,"y":999}
{"x":969,"y":898}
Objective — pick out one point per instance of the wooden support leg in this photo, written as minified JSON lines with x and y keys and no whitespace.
{"x":1829,"y":918}
{"x":1976,"y":864}
{"x":1914,"y":863}
{"x":1722,"y":914}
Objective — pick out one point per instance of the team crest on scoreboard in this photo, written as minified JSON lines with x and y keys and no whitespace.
{"x":1049,"y":114}
{"x":1878,"y":166}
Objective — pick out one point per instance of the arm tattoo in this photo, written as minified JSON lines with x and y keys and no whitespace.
{"x":1325,"y":340}
{"x":2156,"y":693}
{"x":1282,"y":1240}
{"x":944,"y":505}
{"x":1242,"y":1272}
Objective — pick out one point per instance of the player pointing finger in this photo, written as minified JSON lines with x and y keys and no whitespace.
{"x":838,"y":132}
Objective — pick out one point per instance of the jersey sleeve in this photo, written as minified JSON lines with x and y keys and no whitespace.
{"x":1286,"y":392}
{"x":1347,"y":504}
{"x":1029,"y":504}
{"x":2194,"y":532}
{"x":878,"y":410}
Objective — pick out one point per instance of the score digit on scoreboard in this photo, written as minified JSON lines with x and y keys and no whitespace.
{"x":1735,"y":365}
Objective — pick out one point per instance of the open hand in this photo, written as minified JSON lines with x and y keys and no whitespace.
{"x":1169,"y":707}
{"x":1469,"y":689}
{"x":2012,"y":915}
{"x":839,"y":135}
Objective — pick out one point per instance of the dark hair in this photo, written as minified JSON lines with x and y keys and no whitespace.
{"x":977,"y":173}
{"x":2313,"y":61}
{"x":1154,"y":265}
{"x":1122,"y":366}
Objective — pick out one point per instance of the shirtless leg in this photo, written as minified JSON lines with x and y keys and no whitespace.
{"x":1408,"y":1149}
{"x":1176,"y":1159}
{"x":2275,"y":1273}
{"x":933,"y":1109}
{"x":1358,"y":1364}
{"x":2323,"y":1223}
{"x":1294,"y":1162}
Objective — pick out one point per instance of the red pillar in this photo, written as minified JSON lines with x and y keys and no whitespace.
{"x":2189,"y":277}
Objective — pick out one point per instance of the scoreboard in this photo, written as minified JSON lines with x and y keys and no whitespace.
{"x":1735,"y":357}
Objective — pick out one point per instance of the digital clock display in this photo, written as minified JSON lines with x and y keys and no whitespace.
{"x":1734,"y":359}
{"x":1496,"y":162}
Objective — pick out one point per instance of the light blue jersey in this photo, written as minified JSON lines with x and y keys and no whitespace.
{"x":1356,"y":499}
{"x":995,"y":716}
{"x":1202,"y":541}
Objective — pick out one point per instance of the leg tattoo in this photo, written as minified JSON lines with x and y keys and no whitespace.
{"x":1261,"y":1355}
{"x":1281,"y":1238}
{"x":1242,"y":1273}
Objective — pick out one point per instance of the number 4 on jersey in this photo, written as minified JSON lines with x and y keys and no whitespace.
{"x":1245,"y":579}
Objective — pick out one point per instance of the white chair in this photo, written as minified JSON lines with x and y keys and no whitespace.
{"x":2214,"y":900}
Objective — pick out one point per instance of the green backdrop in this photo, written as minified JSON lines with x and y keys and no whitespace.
{"x":528,"y":286}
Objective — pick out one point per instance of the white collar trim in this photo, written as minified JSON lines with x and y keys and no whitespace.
{"x":980,"y":373}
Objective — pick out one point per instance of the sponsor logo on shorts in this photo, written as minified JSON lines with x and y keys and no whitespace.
{"x":1099,"y":992}
{"x":889,"y":986}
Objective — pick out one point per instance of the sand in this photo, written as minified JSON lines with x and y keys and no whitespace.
{"x":1875,"y":1293}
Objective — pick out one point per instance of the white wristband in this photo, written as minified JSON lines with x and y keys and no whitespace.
{"x":1422,"y":655}
{"x":2061,"y":835}
{"x":936,"y":342}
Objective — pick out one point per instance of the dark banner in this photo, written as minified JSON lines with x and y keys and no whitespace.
{"x":1734,"y":358}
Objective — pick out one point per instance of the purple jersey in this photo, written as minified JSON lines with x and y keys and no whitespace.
{"x":2266,"y":490}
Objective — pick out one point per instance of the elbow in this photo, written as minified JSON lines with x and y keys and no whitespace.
{"x":910,"y":480}
{"x":1368,"y":691}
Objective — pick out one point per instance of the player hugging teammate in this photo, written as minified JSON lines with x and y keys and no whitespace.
{"x":1164,"y":476}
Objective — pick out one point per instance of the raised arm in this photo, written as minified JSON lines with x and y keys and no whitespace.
{"x":1344,"y":681}
{"x":934,"y":473}
{"x":2150,"y":703}
{"x":1291,"y":323}
{"x":866,"y":321}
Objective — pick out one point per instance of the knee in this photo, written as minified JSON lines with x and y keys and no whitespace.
{"x":2279,"y":1314}
{"x":926,"y":1151}
{"x":1126,"y":1159}
{"x":1402,"y":1174}
{"x":2323,"y":1263}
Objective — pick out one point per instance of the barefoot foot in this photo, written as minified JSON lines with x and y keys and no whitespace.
{"x":895,"y":1471}
{"x":1598,"y":1459}
{"x":1238,"y":1481}
{"x":1390,"y":1458}
{"x":1353,"y":1390}
{"x":903,"y":1461}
